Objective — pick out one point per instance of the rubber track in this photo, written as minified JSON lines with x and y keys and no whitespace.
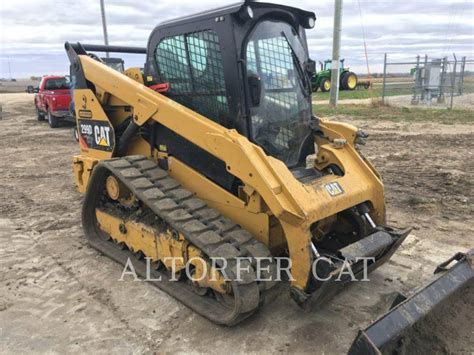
{"x":204,"y":227}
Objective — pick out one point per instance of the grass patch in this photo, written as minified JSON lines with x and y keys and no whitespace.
{"x":386,"y":112}
{"x":374,"y":92}
{"x":390,"y":90}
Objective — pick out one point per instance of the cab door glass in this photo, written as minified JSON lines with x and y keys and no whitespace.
{"x":280,"y":120}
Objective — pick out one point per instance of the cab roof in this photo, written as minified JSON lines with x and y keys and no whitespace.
{"x":231,"y":9}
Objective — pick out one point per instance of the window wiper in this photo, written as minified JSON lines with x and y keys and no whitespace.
{"x":303,"y":79}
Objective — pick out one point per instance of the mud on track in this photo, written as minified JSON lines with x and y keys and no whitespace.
{"x":57,"y":294}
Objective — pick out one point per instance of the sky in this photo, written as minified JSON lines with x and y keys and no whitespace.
{"x":33,"y":32}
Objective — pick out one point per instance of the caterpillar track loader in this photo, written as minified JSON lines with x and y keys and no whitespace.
{"x":212,"y":152}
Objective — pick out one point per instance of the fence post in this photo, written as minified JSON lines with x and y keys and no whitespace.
{"x":384,"y":77}
{"x":442,"y":81}
{"x":414,"y":100}
{"x":423,"y":82}
{"x":453,"y":82}
{"x":461,"y":76}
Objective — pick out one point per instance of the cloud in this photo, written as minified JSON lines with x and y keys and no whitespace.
{"x":33,"y":32}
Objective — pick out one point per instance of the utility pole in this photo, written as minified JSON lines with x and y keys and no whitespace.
{"x":104,"y":26}
{"x":336,"y":45}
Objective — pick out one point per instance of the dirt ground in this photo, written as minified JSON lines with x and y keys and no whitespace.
{"x":19,"y":85}
{"x":59,"y":295}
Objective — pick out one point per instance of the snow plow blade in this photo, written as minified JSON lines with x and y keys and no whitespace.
{"x":401,"y":329}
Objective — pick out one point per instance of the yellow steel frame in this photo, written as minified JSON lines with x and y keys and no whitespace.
{"x":163,"y":247}
{"x":268,"y":182}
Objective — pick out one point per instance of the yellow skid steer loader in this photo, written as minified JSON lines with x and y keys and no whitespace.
{"x":208,"y":164}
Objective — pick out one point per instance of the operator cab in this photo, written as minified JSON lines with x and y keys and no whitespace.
{"x":328,"y":64}
{"x":117,"y":64}
{"x":245,"y":66}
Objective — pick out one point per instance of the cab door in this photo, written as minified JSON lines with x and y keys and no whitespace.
{"x":279,"y":90}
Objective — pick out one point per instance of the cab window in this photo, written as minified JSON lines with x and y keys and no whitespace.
{"x":57,"y":84}
{"x":192,"y":64}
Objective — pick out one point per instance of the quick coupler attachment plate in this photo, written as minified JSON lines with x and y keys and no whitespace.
{"x":353,"y":262}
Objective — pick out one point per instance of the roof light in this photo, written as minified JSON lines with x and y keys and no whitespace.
{"x":246,"y":13}
{"x":249,"y":11}
{"x":310,"y":22}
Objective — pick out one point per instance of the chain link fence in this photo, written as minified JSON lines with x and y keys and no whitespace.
{"x":427,"y":81}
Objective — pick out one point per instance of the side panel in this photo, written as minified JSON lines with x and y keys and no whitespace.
{"x":96,"y":133}
{"x":61,"y":101}
{"x":193,"y":156}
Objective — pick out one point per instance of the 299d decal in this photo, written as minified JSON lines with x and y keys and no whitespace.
{"x":97,"y":135}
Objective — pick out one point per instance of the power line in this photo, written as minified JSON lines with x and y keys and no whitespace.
{"x":363,"y":38}
{"x":455,"y":27}
{"x":448,"y":28}
{"x":369,"y":77}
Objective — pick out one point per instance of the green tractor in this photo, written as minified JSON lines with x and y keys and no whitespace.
{"x":322,"y":79}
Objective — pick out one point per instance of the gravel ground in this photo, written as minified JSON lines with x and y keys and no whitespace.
{"x":59,"y":295}
{"x":465,"y":102}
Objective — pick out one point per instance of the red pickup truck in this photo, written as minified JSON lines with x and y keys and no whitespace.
{"x":52,"y":99}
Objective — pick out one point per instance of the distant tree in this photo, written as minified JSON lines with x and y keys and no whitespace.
{"x":35,"y":77}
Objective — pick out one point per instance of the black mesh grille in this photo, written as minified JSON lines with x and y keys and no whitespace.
{"x":279,"y":122}
{"x":275,"y":60}
{"x":192,"y":64}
